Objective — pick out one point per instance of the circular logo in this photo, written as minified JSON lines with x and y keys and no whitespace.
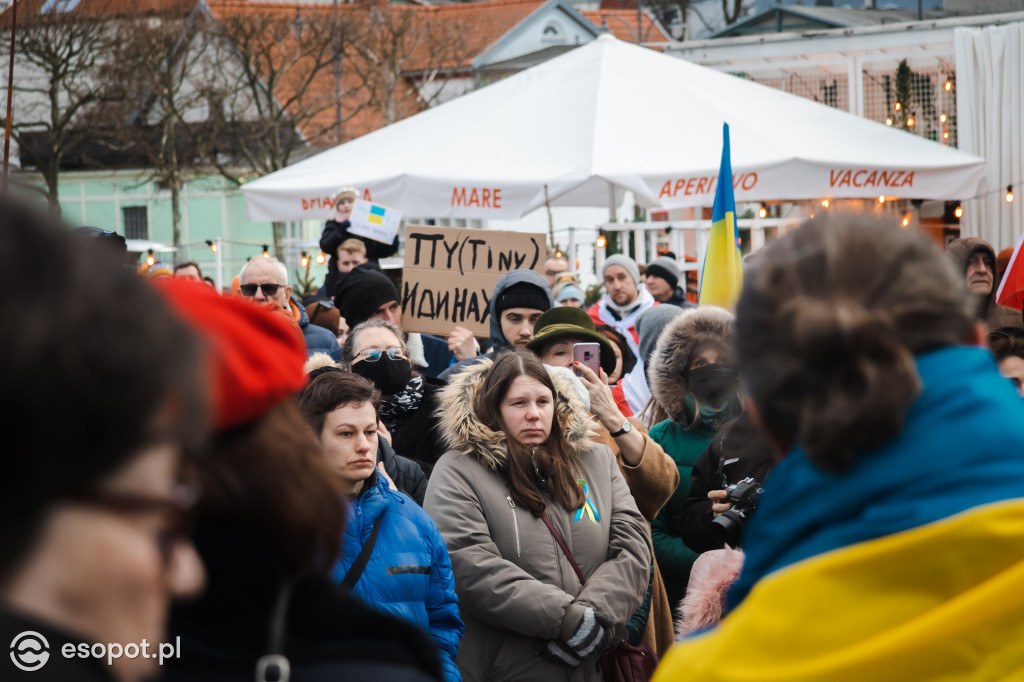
{"x":30,"y":651}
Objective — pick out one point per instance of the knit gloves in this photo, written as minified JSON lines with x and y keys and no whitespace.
{"x":588,"y":638}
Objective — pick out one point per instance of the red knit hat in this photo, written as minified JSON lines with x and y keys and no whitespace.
{"x":254,"y":358}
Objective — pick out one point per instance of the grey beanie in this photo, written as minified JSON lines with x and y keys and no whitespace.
{"x":568,"y":290}
{"x":651,"y":323}
{"x":624,"y":261}
{"x":665,"y":268}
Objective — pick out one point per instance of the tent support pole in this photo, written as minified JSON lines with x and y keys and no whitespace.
{"x":613,"y":210}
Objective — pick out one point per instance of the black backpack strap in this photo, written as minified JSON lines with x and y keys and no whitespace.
{"x":357,"y":568}
{"x":274,"y":666}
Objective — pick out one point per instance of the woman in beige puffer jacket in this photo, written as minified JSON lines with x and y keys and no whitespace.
{"x":527,"y":616}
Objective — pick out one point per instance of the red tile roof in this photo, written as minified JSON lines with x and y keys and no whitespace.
{"x":423,"y":39}
{"x":480,"y":23}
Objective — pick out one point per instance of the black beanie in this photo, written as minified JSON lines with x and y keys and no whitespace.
{"x":522,"y":295}
{"x":666,"y":269}
{"x":361,"y":292}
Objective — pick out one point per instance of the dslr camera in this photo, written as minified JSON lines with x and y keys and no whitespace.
{"x":728,"y":527}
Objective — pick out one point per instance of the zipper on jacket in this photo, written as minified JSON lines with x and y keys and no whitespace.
{"x":515,"y":521}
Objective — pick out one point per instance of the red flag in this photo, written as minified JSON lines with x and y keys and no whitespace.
{"x":1011,"y":289}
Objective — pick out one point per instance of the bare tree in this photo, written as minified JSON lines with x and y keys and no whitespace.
{"x":272,"y":91}
{"x":731,"y":10}
{"x":411,"y":49}
{"x":55,"y":87}
{"x":162,"y":109}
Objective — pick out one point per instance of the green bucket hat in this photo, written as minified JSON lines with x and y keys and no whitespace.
{"x":568,"y":321}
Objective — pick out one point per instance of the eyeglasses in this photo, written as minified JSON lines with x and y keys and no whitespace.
{"x":249,"y":290}
{"x":374,"y":354}
{"x":176,"y":509}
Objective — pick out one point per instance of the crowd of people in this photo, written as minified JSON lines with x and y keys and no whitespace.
{"x":825,"y":484}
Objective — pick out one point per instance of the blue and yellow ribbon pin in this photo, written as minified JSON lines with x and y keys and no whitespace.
{"x":588,"y":506}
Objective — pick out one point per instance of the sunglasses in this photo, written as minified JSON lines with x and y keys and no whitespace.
{"x":249,"y":290}
{"x":177,"y":511}
{"x":374,"y":354}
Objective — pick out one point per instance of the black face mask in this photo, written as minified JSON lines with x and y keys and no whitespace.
{"x":390,"y":376}
{"x":713,"y":384}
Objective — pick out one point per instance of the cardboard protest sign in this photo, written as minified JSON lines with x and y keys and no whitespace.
{"x":374,"y":221}
{"x":450,"y":272}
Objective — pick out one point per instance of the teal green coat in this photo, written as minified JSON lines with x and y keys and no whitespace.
{"x":674,"y":558}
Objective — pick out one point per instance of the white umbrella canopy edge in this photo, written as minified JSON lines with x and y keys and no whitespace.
{"x":485,"y":155}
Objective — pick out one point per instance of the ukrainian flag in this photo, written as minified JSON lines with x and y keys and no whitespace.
{"x":377,"y":214}
{"x":722,"y":277}
{"x":909,"y":567}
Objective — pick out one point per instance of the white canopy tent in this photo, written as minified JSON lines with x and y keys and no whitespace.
{"x":613,"y":116}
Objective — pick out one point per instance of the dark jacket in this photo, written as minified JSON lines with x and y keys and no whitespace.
{"x":56,"y":668}
{"x":437,"y":355}
{"x":318,"y":339}
{"x":737,"y":451}
{"x":408,"y":574}
{"x":498,"y":340}
{"x":333,"y":235}
{"x":416,"y":435}
{"x":226,"y":630}
{"x":990,"y":312}
{"x":405,"y":473}
{"x":679,"y":299}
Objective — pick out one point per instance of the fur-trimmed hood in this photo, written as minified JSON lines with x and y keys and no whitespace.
{"x":672,"y":353}
{"x":462,"y":430}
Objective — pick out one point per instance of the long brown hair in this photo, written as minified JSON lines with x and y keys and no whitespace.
{"x":554,"y":460}
{"x":828,"y":325}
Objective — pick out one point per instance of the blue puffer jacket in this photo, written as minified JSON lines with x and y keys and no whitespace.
{"x":409,"y":574}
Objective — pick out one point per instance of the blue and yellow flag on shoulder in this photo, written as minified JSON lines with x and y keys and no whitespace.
{"x":908,"y":567}
{"x":722,"y":275}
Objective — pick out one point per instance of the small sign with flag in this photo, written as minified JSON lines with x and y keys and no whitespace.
{"x":374,"y":221}
{"x":722,"y":276}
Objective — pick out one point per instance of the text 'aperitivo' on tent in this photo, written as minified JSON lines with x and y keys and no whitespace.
{"x":608,"y":115}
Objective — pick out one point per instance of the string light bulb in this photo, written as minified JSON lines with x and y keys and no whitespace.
{"x":881,"y":199}
{"x":958,"y":211}
{"x":321,"y":258}
{"x":212,"y":244}
{"x":1009,"y":194}
{"x":898,"y":106}
{"x":824,"y":203}
{"x":911,"y":121}
{"x":266,"y":251}
{"x":602,"y":241}
{"x":763,"y":212}
{"x":888,"y":121}
{"x":305,"y":260}
{"x":945,"y":134}
{"x":949,"y":84}
{"x":942,"y":118}
{"x":906,"y":220}
{"x":150,"y":258}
